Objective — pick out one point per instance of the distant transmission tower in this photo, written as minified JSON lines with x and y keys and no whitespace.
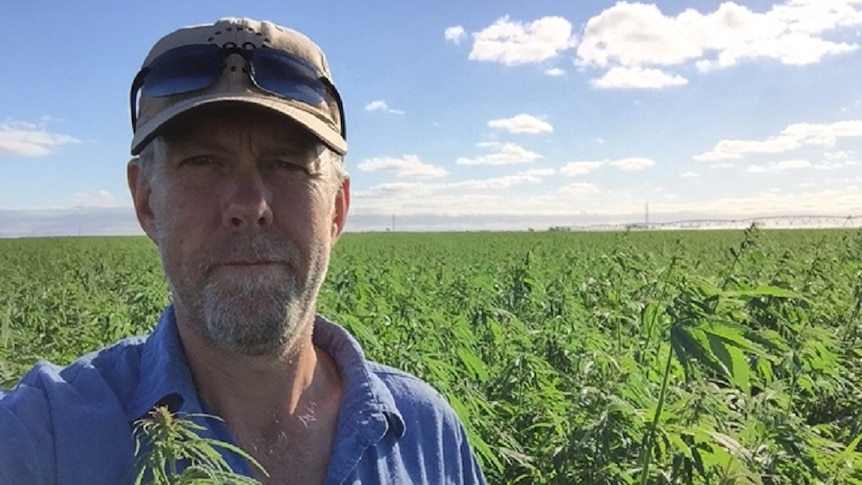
{"x":646,"y":215}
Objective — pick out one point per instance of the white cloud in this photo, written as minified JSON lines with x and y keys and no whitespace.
{"x":508,"y":154}
{"x":522,"y":123}
{"x":791,"y":49}
{"x":406,"y":166}
{"x":555,"y":72}
{"x":817,"y":16}
{"x":834,"y":165}
{"x":734,"y":149}
{"x":781,"y":166}
{"x":839,"y":155}
{"x":454,"y":34}
{"x":635,"y":35}
{"x":540,"y":172}
{"x":520,"y":178}
{"x":574,"y":169}
{"x":580,"y":203}
{"x":792,"y":137}
{"x":689,"y":175}
{"x":637,"y":77}
{"x":377,"y":105}
{"x":820,"y":134}
{"x":102,"y":198}
{"x":396,"y":190}
{"x":579,"y":189}
{"x":24,"y":139}
{"x":831,"y":202}
{"x":381,"y":105}
{"x":512,"y":42}
{"x":632,"y":164}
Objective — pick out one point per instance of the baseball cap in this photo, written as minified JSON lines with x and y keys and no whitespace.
{"x":276,"y":68}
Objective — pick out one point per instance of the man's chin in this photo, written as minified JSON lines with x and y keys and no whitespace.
{"x":255,"y":348}
{"x":247,"y":337}
{"x":254,"y":324}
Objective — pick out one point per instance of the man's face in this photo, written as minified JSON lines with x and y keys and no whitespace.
{"x":244,"y":207}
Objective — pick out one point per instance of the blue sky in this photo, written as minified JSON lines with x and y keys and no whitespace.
{"x":478,"y":115}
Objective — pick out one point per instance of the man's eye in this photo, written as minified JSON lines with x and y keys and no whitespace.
{"x":201,"y":160}
{"x":291,"y":166}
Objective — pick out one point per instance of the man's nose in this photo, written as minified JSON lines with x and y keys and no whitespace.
{"x":248,"y":201}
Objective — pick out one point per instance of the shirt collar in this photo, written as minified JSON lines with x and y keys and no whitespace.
{"x":366,"y":402}
{"x":165,"y":378}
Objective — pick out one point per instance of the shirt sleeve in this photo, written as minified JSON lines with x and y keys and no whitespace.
{"x":472,"y":472}
{"x":26,"y":441}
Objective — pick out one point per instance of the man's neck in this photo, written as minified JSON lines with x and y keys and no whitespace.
{"x":254,"y":394}
{"x":283,"y":410}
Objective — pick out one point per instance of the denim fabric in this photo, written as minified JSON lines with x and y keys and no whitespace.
{"x":73,"y":425}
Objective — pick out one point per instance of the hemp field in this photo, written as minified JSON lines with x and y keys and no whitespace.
{"x":655,"y":357}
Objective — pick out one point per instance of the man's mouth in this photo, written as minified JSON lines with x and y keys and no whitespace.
{"x":250,"y":263}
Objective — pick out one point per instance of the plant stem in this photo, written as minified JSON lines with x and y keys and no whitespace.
{"x":646,"y":450}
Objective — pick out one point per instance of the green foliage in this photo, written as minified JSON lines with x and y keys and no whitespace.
{"x":170,"y":452}
{"x":706,"y":357}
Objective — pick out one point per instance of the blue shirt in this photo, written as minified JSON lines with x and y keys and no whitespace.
{"x":73,"y":425}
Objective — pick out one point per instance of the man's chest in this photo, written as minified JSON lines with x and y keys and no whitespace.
{"x":295,"y":457}
{"x":294,"y":465}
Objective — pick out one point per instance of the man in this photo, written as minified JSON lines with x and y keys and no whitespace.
{"x":239,"y":135}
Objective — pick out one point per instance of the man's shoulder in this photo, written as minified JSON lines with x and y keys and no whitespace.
{"x":54,"y":408}
{"x":400,"y":380}
{"x":429,"y":423}
{"x":112,"y":365}
{"x":409,"y":391}
{"x":411,"y":394}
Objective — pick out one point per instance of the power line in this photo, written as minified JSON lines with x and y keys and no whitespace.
{"x":784,"y":221}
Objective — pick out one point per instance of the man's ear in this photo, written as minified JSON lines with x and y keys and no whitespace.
{"x":140,"y":188}
{"x":342,"y":204}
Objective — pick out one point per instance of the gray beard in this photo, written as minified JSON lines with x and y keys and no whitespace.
{"x":259,"y":314}
{"x":255,"y":316}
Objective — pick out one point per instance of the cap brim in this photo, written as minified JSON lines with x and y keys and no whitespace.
{"x":331,"y":138}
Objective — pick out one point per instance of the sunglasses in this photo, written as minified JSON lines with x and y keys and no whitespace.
{"x":190,"y":68}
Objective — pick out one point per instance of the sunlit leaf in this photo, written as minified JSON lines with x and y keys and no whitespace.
{"x":473,"y":363}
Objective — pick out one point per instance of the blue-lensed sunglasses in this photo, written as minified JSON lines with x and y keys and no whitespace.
{"x":193,"y":67}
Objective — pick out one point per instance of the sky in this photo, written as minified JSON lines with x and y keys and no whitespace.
{"x":477,"y":115}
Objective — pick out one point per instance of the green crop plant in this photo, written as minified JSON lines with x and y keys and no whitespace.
{"x":702,"y":357}
{"x":170,"y":452}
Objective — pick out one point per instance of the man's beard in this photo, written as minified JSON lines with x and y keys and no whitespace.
{"x":255,"y":315}
{"x":253,"y":311}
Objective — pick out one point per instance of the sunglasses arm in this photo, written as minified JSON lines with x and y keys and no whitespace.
{"x":137,"y":84}
{"x":326,"y":82}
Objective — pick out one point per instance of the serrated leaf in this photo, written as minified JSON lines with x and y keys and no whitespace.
{"x":733,"y":362}
{"x":761,"y":291}
{"x":679,"y":445}
{"x":649,"y":313}
{"x":693,"y":343}
{"x":473,"y":363}
{"x":734,"y":334}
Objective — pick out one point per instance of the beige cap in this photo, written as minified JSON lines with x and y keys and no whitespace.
{"x":324,"y":120}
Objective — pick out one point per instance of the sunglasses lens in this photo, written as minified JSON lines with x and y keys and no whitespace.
{"x":286,"y":76}
{"x":183,"y":70}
